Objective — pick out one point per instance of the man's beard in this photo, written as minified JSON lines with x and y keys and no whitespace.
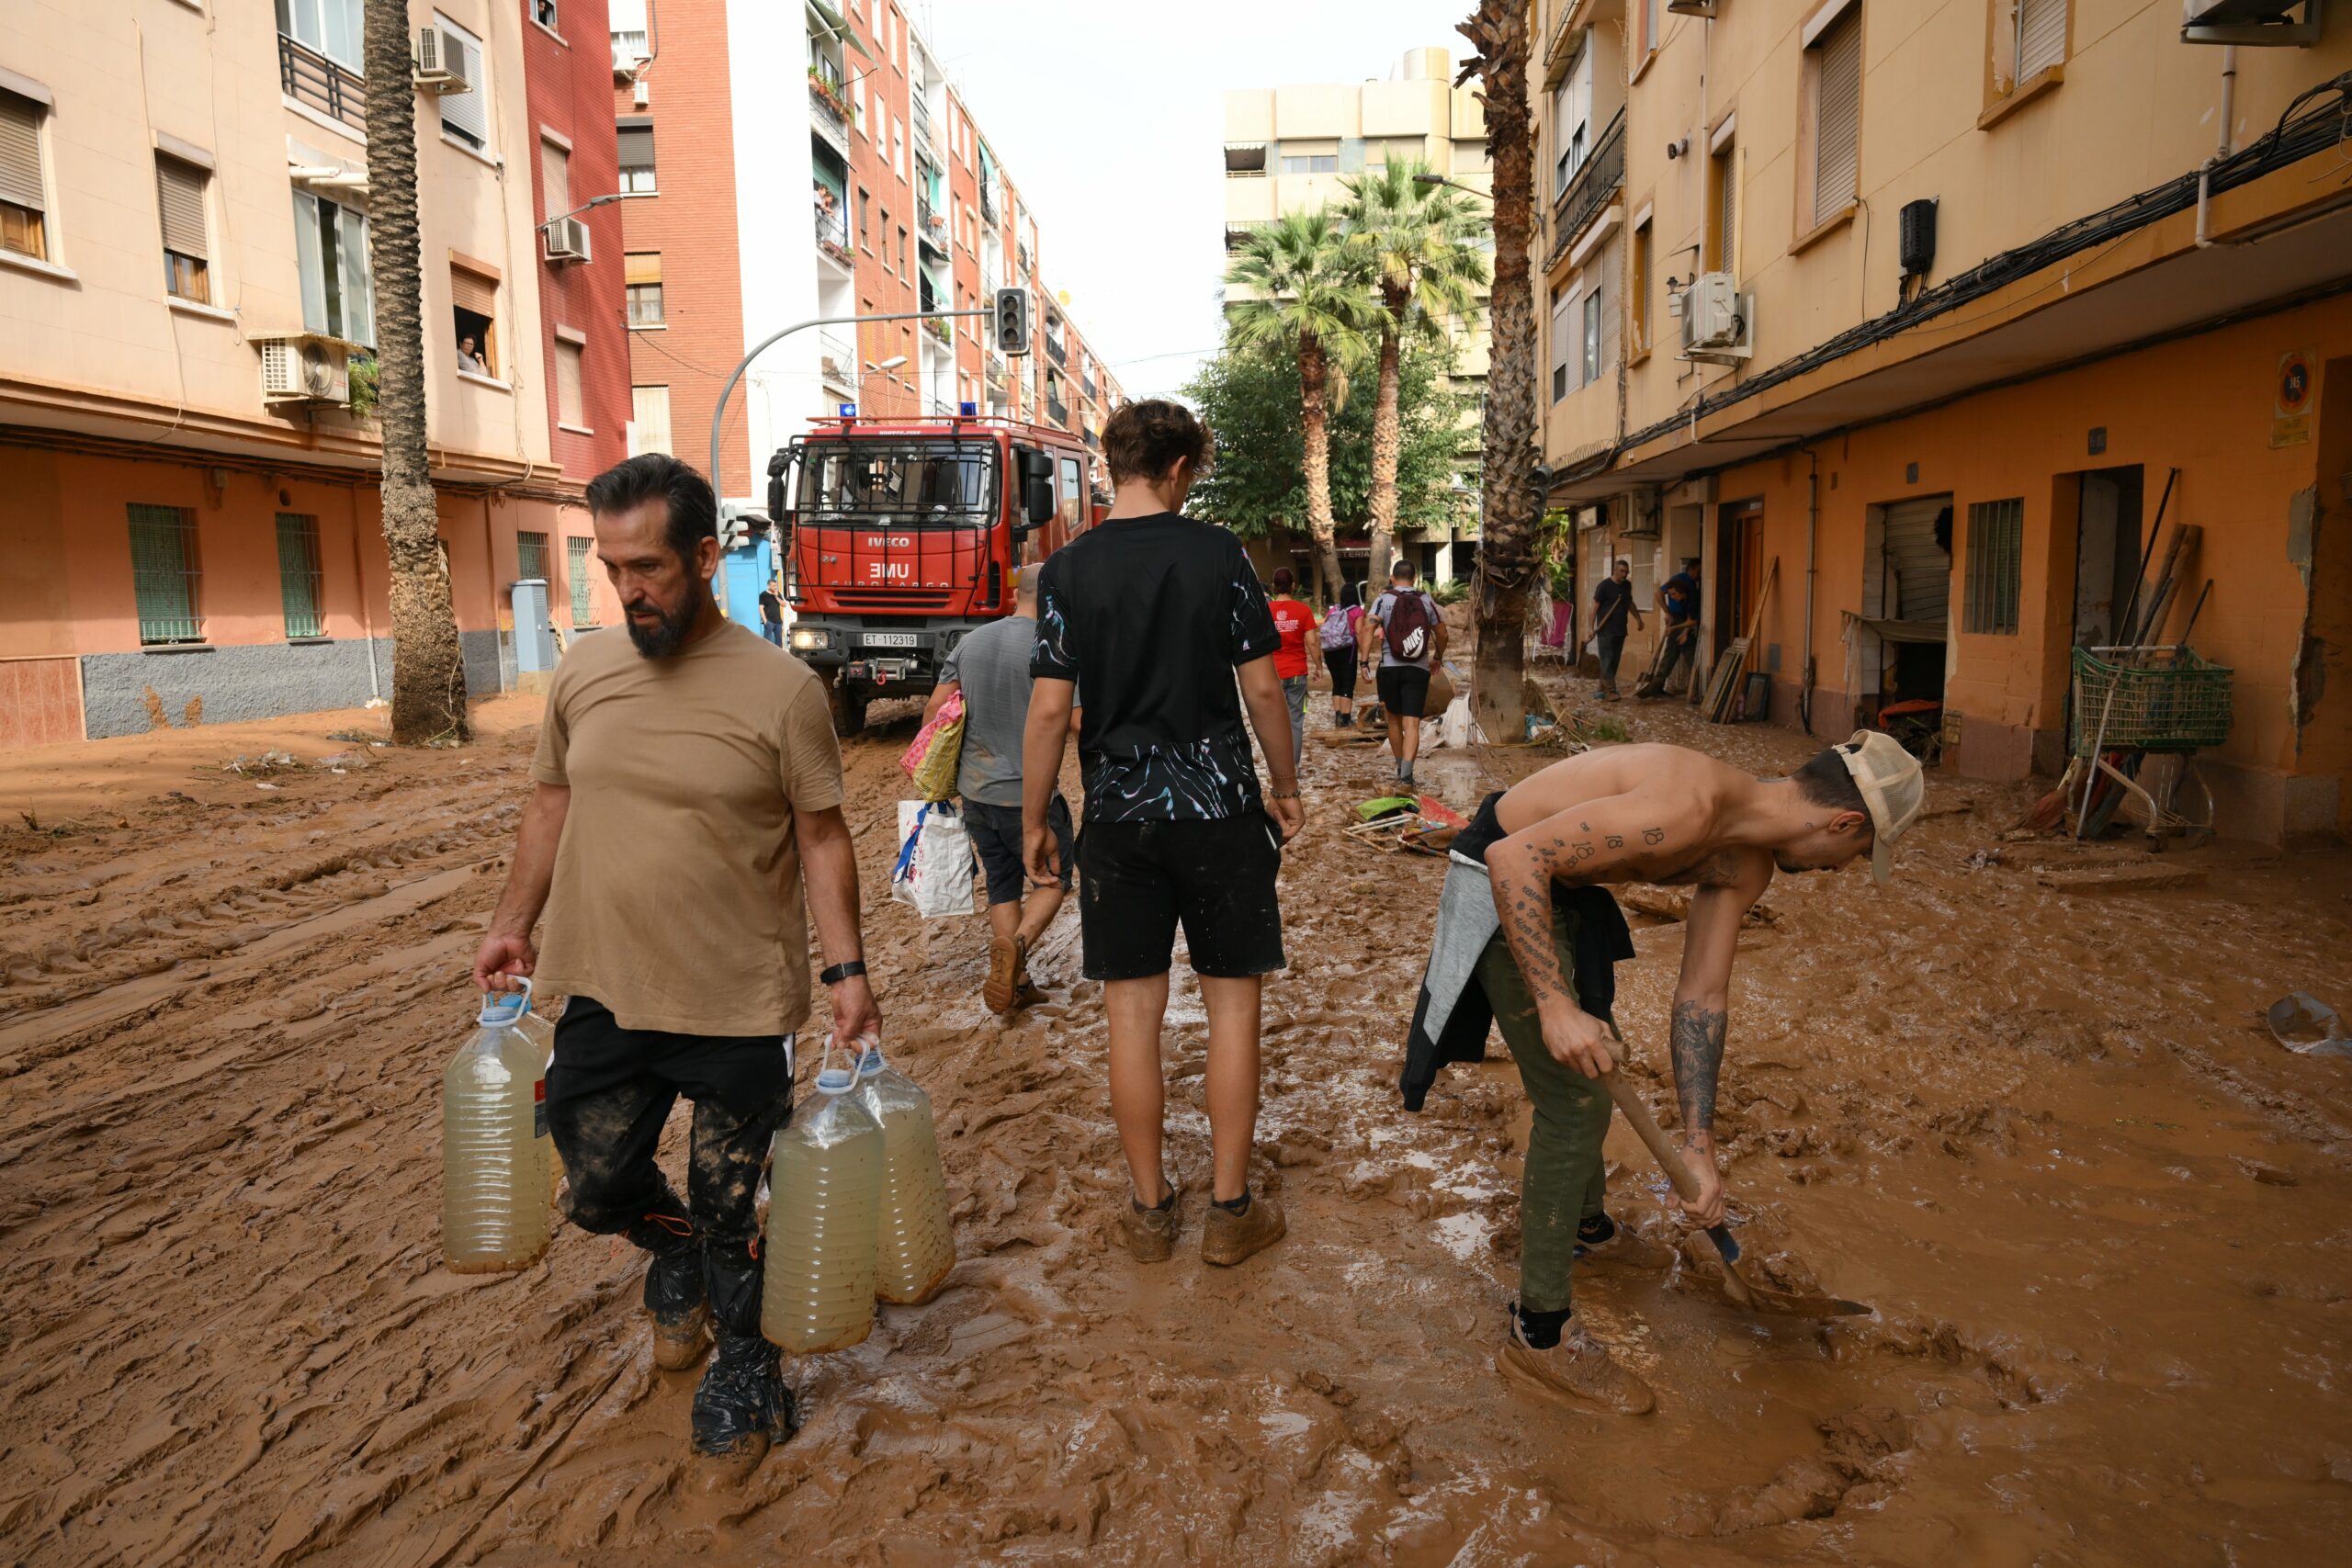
{"x":667,"y":636}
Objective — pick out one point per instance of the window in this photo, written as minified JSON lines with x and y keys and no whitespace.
{"x":1310,"y":163}
{"x":1995,"y":554}
{"x":1723,"y":210}
{"x":899,"y":148}
{"x":164,"y":573}
{"x":886,"y":238}
{"x":1833,"y":77}
{"x":1571,"y":122}
{"x":1593,"y":338}
{"x":297,"y":575}
{"x":24,"y":205}
{"x":179,"y":198}
{"x":330,"y":255}
{"x":543,"y":13}
{"x":530,"y":555}
{"x":1649,"y":27}
{"x":465,"y":116}
{"x":1560,"y":342}
{"x":2040,"y":40}
{"x":1641,"y":287}
{"x":575,"y":572}
{"x":636,"y":141}
{"x":643,"y":280}
{"x":903,"y":251}
{"x":568,"y":407}
{"x":474,"y":300}
{"x":329,"y":26}
{"x":861,"y":220}
{"x":555,"y":178}
{"x":650,"y":410}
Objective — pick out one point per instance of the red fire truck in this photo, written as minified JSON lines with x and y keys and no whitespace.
{"x":901,"y":534}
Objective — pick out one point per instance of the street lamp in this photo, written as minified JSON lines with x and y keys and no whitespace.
{"x":1425,"y":179}
{"x":596,"y":201}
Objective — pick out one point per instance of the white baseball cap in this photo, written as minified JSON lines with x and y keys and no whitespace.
{"x":1894,"y":788}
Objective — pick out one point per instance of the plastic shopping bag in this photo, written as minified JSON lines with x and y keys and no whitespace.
{"x":938,"y":747}
{"x":934,"y":868}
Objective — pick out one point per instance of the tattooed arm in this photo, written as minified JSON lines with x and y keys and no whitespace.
{"x":1700,"y":1013}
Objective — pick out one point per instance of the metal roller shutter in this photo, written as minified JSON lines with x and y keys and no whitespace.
{"x":1837,"y":116}
{"x":20,"y":152}
{"x":569,"y":409}
{"x":2041,"y":36}
{"x":179,"y":195}
{"x":472,"y":291}
{"x":1919,"y":570}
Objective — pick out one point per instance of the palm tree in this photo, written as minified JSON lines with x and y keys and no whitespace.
{"x":1510,"y":503}
{"x":1301,"y":291}
{"x":1419,"y":244}
{"x":428,"y":661}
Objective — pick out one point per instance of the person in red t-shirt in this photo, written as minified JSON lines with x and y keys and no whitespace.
{"x":1293,"y":622}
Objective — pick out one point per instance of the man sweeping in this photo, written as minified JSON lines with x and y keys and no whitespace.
{"x":1528,"y":934}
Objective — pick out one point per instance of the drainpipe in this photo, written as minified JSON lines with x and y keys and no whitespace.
{"x":2205,"y":170}
{"x":366,"y":626}
{"x":1812,"y":553}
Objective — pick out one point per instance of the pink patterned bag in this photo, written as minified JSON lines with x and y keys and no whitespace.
{"x":938,"y":746}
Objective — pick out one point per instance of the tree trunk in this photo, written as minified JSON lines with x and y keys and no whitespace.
{"x":1384,"y":440}
{"x":1508,"y":503}
{"x":1312,"y":376}
{"x":428,"y":661}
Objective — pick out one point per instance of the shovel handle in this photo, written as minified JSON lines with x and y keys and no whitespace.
{"x":1669,"y":1159}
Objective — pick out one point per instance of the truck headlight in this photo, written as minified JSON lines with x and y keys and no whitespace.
{"x":810,"y":637}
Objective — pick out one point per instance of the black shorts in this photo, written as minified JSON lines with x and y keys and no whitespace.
{"x":1138,"y":879}
{"x":1404,"y":689}
{"x":996,"y":838}
{"x":1342,"y":663}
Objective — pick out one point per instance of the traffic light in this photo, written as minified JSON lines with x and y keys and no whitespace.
{"x":1013,"y":321}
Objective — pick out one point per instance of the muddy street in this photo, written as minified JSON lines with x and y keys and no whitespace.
{"x":2102,"y":1216}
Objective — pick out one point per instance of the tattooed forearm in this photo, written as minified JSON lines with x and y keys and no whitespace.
{"x":1698,"y":1044}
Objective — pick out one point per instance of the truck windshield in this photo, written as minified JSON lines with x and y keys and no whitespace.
{"x":915,"y":484}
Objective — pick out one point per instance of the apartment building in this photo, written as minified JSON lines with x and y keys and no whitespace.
{"x":1908,"y":324}
{"x":909,"y":209}
{"x":1291,"y":148}
{"x":193,"y":530}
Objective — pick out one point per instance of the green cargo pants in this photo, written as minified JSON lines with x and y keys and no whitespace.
{"x":1562,"y":1186}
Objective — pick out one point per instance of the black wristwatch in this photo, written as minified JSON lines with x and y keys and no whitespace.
{"x":841,"y":971}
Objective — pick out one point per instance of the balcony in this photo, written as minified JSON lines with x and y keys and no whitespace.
{"x":995,"y":369}
{"x":919,"y":116}
{"x":311,"y":79}
{"x":1094,"y":441}
{"x":1245,"y":159}
{"x":1596,"y":180}
{"x":1054,"y":349}
{"x":832,"y":111}
{"x":1020,"y":250}
{"x":1057,"y":408}
{"x":990,"y":201}
{"x":833,"y":225}
{"x":837,"y":360}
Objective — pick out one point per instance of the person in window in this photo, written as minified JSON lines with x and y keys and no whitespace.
{"x":470,"y":356}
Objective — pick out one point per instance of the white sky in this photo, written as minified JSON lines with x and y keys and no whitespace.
{"x":1109,"y":115}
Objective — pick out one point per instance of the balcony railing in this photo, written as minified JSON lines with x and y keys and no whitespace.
{"x":837,"y":359}
{"x":832,"y":226}
{"x":825,"y":97}
{"x":1055,"y":351}
{"x":919,"y":116}
{"x":1601,"y":177}
{"x":1093,"y":440}
{"x":1060,"y":409}
{"x":309,"y":77}
{"x":988,"y":203}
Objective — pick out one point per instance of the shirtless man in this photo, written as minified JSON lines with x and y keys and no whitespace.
{"x":1657,"y":814}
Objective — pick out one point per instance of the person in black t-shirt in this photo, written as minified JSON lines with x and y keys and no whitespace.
{"x":1154,"y":615}
{"x":1612,"y":602}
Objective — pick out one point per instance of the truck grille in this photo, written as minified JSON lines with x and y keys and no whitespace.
{"x":897,"y":601}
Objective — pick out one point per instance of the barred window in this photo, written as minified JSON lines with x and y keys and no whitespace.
{"x":575,"y":563}
{"x":164,"y":573}
{"x":1995,"y":556}
{"x":530,"y":555}
{"x":297,"y":575}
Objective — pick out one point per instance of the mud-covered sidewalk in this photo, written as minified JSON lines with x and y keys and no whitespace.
{"x":2104,"y":1218}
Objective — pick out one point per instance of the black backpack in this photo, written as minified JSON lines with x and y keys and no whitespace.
{"x":1407,"y":627}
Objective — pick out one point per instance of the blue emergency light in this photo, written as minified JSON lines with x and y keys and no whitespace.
{"x":849,"y":410}
{"x":970,"y":410}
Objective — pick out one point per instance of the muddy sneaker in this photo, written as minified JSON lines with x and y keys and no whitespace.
{"x":1027,"y":994}
{"x":1603,"y":1240}
{"x":1226,"y":1237}
{"x":679,"y":1305}
{"x":1579,"y":1369}
{"x":742,"y":1407}
{"x":1008,"y":959}
{"x":1150,"y":1233}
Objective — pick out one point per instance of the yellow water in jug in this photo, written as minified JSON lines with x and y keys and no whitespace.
{"x":496,"y":1158}
{"x":824,"y":1210}
{"x":917,"y":1240}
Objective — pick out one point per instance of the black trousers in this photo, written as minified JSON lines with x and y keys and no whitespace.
{"x":609,"y":1092}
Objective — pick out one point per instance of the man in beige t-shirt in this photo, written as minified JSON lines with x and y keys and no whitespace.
{"x":686,"y":778}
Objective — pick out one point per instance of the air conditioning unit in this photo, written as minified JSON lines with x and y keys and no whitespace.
{"x":443,"y":62}
{"x":1715,"y":318}
{"x":567,"y":240}
{"x":2257,"y":22}
{"x":304,"y":368}
{"x":1692,"y":8}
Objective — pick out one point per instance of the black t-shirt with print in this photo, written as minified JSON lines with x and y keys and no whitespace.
{"x":1611,"y":600}
{"x":1151,"y":616}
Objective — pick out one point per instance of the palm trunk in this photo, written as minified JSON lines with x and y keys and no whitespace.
{"x":428,"y":660}
{"x":1508,"y":503}
{"x":1384,"y":437}
{"x":1313,"y":415}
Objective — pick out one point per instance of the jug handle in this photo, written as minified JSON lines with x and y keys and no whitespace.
{"x":495,"y":1003}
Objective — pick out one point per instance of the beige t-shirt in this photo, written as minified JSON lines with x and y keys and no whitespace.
{"x":677,"y":899}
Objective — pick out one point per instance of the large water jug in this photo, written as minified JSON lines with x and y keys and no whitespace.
{"x":917,"y":1239}
{"x":824,"y":1216}
{"x":497,"y":1170}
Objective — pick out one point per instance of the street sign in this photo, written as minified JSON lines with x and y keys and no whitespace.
{"x":2291,"y":414}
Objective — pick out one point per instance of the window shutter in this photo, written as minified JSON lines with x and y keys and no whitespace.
{"x":636,"y":142}
{"x":1727,"y":210}
{"x":359,"y":283}
{"x":472,"y":291}
{"x":555,"y":174}
{"x":179,"y":194}
{"x":20,"y":152}
{"x":567,"y":384}
{"x":2041,"y":36}
{"x":642,"y":266}
{"x":468,"y":111}
{"x":309,"y":263}
{"x":1837,"y":104}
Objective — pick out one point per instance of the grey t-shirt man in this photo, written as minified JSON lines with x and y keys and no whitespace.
{"x":992,"y":666}
{"x":1381,"y":609}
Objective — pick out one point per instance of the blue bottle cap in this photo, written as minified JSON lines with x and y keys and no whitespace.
{"x":871,"y":1063}
{"x":835,"y":1080}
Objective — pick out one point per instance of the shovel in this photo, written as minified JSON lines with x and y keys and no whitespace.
{"x":1744,"y":1291}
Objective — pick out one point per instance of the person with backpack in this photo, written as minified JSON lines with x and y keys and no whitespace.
{"x":1338,"y":639}
{"x":1292,"y":622}
{"x":1405,"y":624}
{"x":1612,"y":602}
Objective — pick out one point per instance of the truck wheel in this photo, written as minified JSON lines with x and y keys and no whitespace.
{"x":848,"y":707}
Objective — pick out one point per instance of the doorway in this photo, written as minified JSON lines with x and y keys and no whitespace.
{"x":1903,"y":647}
{"x":1740,"y":570}
{"x":2107,"y":554}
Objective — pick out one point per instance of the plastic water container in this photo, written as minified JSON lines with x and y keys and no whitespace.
{"x":917,"y":1238}
{"x":824,"y":1220}
{"x":497,"y":1162}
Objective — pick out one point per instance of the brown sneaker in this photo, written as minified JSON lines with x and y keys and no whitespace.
{"x":1150,"y":1233}
{"x":1628,"y":1249}
{"x":1579,"y":1369}
{"x":1226,"y":1237}
{"x":1008,"y":960}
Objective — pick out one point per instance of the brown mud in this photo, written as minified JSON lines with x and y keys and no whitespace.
{"x":2103,"y":1217}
